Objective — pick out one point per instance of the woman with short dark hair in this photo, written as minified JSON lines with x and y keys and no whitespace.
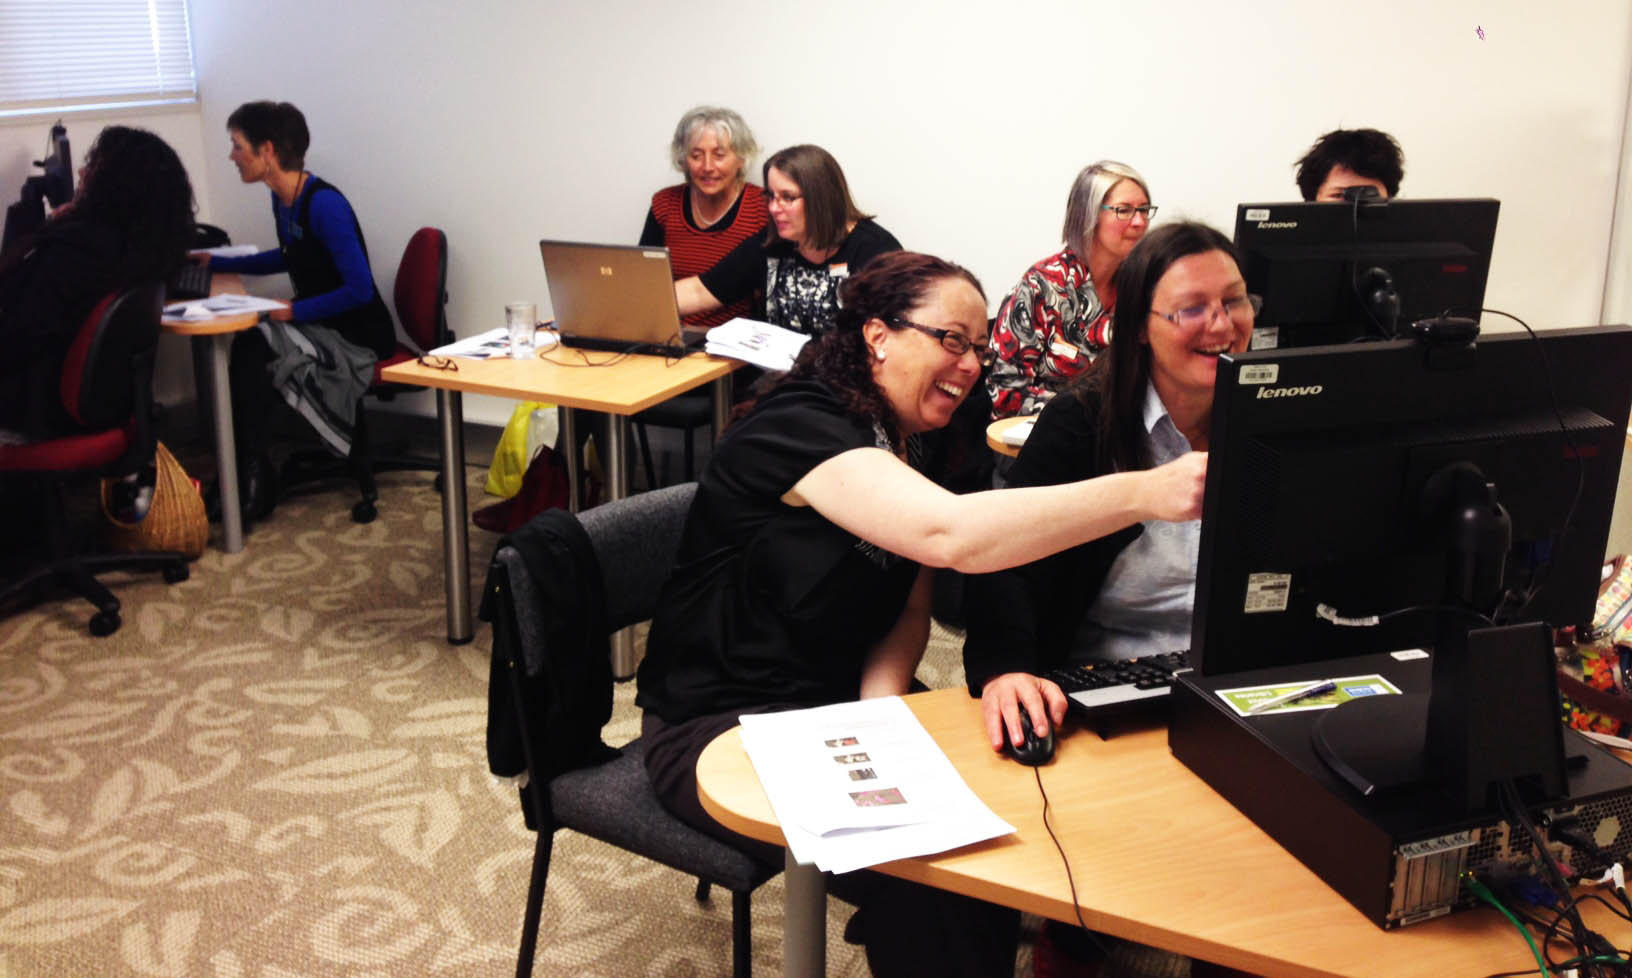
{"x":803,"y":574}
{"x":337,"y":312}
{"x":817,"y":236}
{"x":129,"y":222}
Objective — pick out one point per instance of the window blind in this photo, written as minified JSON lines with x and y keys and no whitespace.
{"x":63,"y":55}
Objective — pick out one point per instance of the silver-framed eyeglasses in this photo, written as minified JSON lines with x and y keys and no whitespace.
{"x":1125,"y":212}
{"x":952,"y":341}
{"x":1200,"y":315}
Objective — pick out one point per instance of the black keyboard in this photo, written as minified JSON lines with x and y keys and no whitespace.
{"x":1102,"y":687}
{"x":192,"y":282}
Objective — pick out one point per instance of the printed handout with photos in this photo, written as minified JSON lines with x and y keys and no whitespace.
{"x":856,"y":784}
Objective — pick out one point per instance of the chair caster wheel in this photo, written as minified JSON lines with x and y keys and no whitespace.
{"x":105,"y":623}
{"x":176,"y":573}
{"x":364,"y":512}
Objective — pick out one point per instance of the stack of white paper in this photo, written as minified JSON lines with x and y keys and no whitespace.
{"x":856,"y":784}
{"x":225,"y":304}
{"x":761,"y":344}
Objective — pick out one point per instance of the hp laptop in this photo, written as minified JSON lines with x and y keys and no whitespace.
{"x":615,"y":297}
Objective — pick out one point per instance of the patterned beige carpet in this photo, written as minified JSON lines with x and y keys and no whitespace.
{"x":276,"y":769}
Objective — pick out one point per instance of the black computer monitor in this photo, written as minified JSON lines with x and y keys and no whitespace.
{"x":55,"y":185}
{"x":1364,"y":268}
{"x":1333,"y":471}
{"x":59,"y":167}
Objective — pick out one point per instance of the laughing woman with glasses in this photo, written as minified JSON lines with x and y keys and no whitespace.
{"x":803,"y":579}
{"x":1145,"y":405}
{"x":1059,"y":317}
{"x":816,"y":237}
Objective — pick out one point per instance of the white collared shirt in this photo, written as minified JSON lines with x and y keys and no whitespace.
{"x":1146,"y":602}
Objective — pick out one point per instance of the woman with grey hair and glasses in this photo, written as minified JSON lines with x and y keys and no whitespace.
{"x":1059,"y":317}
{"x":716,"y":209}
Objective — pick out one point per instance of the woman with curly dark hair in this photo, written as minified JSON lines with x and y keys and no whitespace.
{"x":803,"y":573}
{"x":130,"y":222}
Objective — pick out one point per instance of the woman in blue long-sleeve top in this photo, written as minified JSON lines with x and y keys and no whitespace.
{"x":320,"y":246}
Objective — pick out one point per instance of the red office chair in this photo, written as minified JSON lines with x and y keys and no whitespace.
{"x":107,"y":387}
{"x":421,"y":298}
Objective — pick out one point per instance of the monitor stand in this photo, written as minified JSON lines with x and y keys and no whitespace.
{"x":1492,"y":716}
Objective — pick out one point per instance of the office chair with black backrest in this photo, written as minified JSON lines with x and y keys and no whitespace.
{"x":421,"y":297}
{"x":687,"y":412}
{"x":107,"y":387}
{"x":633,"y":542}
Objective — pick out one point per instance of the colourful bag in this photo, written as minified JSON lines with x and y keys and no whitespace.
{"x":510,"y":457}
{"x":543,"y":486}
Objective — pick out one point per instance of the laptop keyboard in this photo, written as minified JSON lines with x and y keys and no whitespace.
{"x":191,"y":282}
{"x":1104,"y":687}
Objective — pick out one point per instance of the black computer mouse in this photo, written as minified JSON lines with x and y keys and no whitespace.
{"x":1036,"y":750}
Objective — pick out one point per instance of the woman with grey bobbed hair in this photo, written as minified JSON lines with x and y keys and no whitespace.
{"x":1050,"y":328}
{"x":701,"y":220}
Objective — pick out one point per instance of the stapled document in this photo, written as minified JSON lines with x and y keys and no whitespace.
{"x":855,"y":784}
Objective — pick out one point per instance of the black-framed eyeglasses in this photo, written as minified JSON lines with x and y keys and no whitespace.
{"x":1200,"y":315}
{"x":1125,"y":212}
{"x":785,"y":199}
{"x":951,"y":340}
{"x":438,"y":363}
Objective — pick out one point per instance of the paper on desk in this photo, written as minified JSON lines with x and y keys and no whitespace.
{"x":225,"y":304}
{"x":855,"y":784}
{"x":231,"y":251}
{"x":761,"y":344}
{"x":1016,"y":435}
{"x":493,"y":344}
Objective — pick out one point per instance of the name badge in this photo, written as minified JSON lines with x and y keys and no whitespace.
{"x":1064,"y":350}
{"x":840,"y":270}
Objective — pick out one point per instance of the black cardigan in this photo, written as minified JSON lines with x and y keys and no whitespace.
{"x":1025,"y":619}
{"x":568,"y":681}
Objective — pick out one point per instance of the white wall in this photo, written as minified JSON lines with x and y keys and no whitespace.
{"x":959,"y":123}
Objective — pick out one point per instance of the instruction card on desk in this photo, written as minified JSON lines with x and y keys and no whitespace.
{"x":856,"y":784}
{"x":1308,"y":695}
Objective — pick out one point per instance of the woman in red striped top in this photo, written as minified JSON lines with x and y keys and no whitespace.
{"x":701,"y":220}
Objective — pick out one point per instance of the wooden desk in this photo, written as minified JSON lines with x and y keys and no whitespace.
{"x":997,"y":429}
{"x":212,"y":342}
{"x":562,"y":376}
{"x":1158,"y":858}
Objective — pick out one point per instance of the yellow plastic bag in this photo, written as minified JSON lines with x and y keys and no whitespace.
{"x":510,"y":456}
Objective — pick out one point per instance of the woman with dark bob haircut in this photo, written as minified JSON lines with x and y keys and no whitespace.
{"x":1145,"y":404}
{"x":816,"y":237}
{"x":130,"y":222}
{"x":803,"y":575}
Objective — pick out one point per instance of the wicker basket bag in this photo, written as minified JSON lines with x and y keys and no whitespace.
{"x":175,"y":519}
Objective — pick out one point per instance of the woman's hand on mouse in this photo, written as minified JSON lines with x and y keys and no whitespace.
{"x":1002,"y":697}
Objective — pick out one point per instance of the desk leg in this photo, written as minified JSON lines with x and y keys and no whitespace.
{"x":218,"y":348}
{"x":804,"y":920}
{"x":722,"y":405}
{"x":450,"y":413}
{"x":569,"y":444}
{"x":617,"y":487}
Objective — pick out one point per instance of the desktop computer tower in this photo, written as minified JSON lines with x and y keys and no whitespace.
{"x":1397,"y":855}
